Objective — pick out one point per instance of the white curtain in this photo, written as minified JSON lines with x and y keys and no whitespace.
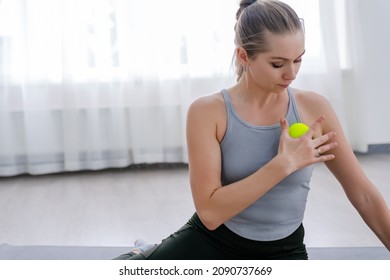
{"x":350,"y":66}
{"x":92,"y":84}
{"x":367,"y":78}
{"x":323,"y":63}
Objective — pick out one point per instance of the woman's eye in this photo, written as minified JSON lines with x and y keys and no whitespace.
{"x":281,"y":64}
{"x":277,"y":65}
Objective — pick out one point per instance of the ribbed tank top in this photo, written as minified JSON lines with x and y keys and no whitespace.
{"x":245,"y":148}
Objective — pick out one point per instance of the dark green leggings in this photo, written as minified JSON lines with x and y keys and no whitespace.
{"x":195,"y":242}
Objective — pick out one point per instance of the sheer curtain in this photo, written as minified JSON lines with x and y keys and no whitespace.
{"x":350,"y":66}
{"x":92,"y":84}
{"x":323,"y":64}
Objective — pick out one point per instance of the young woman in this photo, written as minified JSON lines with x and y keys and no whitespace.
{"x":249,"y":178}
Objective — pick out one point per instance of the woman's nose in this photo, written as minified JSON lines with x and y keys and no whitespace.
{"x":290,"y":73}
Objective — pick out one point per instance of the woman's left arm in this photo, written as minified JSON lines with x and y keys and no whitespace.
{"x":360,"y":191}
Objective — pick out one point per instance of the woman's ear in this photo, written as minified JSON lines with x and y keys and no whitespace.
{"x":242,"y":56}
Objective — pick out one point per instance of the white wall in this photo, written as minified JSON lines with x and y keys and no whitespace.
{"x":369,"y":93}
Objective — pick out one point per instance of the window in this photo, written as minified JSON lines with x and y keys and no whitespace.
{"x":105,"y":40}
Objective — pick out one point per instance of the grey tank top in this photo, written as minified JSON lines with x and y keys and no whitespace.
{"x":245,"y":148}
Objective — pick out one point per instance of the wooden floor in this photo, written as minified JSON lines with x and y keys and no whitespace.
{"x":116,"y":207}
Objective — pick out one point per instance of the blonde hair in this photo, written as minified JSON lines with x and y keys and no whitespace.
{"x":256,"y":17}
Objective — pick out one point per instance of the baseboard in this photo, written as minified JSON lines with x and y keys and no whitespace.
{"x":378,"y":148}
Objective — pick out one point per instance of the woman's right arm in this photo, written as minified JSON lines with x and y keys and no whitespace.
{"x":216,"y":204}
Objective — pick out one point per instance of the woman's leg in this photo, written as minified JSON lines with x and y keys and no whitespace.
{"x":185,"y":244}
{"x":195,"y":242}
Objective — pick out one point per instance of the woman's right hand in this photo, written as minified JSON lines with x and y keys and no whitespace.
{"x":307,"y":149}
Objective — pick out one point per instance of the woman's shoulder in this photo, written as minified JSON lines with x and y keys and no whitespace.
{"x":211,"y":99}
{"x":208,"y":114}
{"x":311,"y":100}
{"x":208,"y":104}
{"x":308,"y":96}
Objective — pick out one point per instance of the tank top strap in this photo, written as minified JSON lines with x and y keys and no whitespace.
{"x":292,"y":113}
{"x":228,"y":102}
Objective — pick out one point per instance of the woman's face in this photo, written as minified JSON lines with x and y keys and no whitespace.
{"x":275,"y":69}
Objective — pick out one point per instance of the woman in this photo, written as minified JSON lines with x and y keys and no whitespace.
{"x":249,"y":178}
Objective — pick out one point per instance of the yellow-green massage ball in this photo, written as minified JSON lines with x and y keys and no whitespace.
{"x":297,"y":130}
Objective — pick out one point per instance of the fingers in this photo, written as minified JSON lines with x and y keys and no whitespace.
{"x":284,"y":123}
{"x":315,"y":126}
{"x":325,"y":148}
{"x":319,"y":141}
{"x":325,"y":158}
{"x":284,"y":126}
{"x":322,"y":144}
{"x":321,"y":151}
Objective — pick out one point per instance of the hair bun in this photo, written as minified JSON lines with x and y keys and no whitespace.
{"x":243,"y":5}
